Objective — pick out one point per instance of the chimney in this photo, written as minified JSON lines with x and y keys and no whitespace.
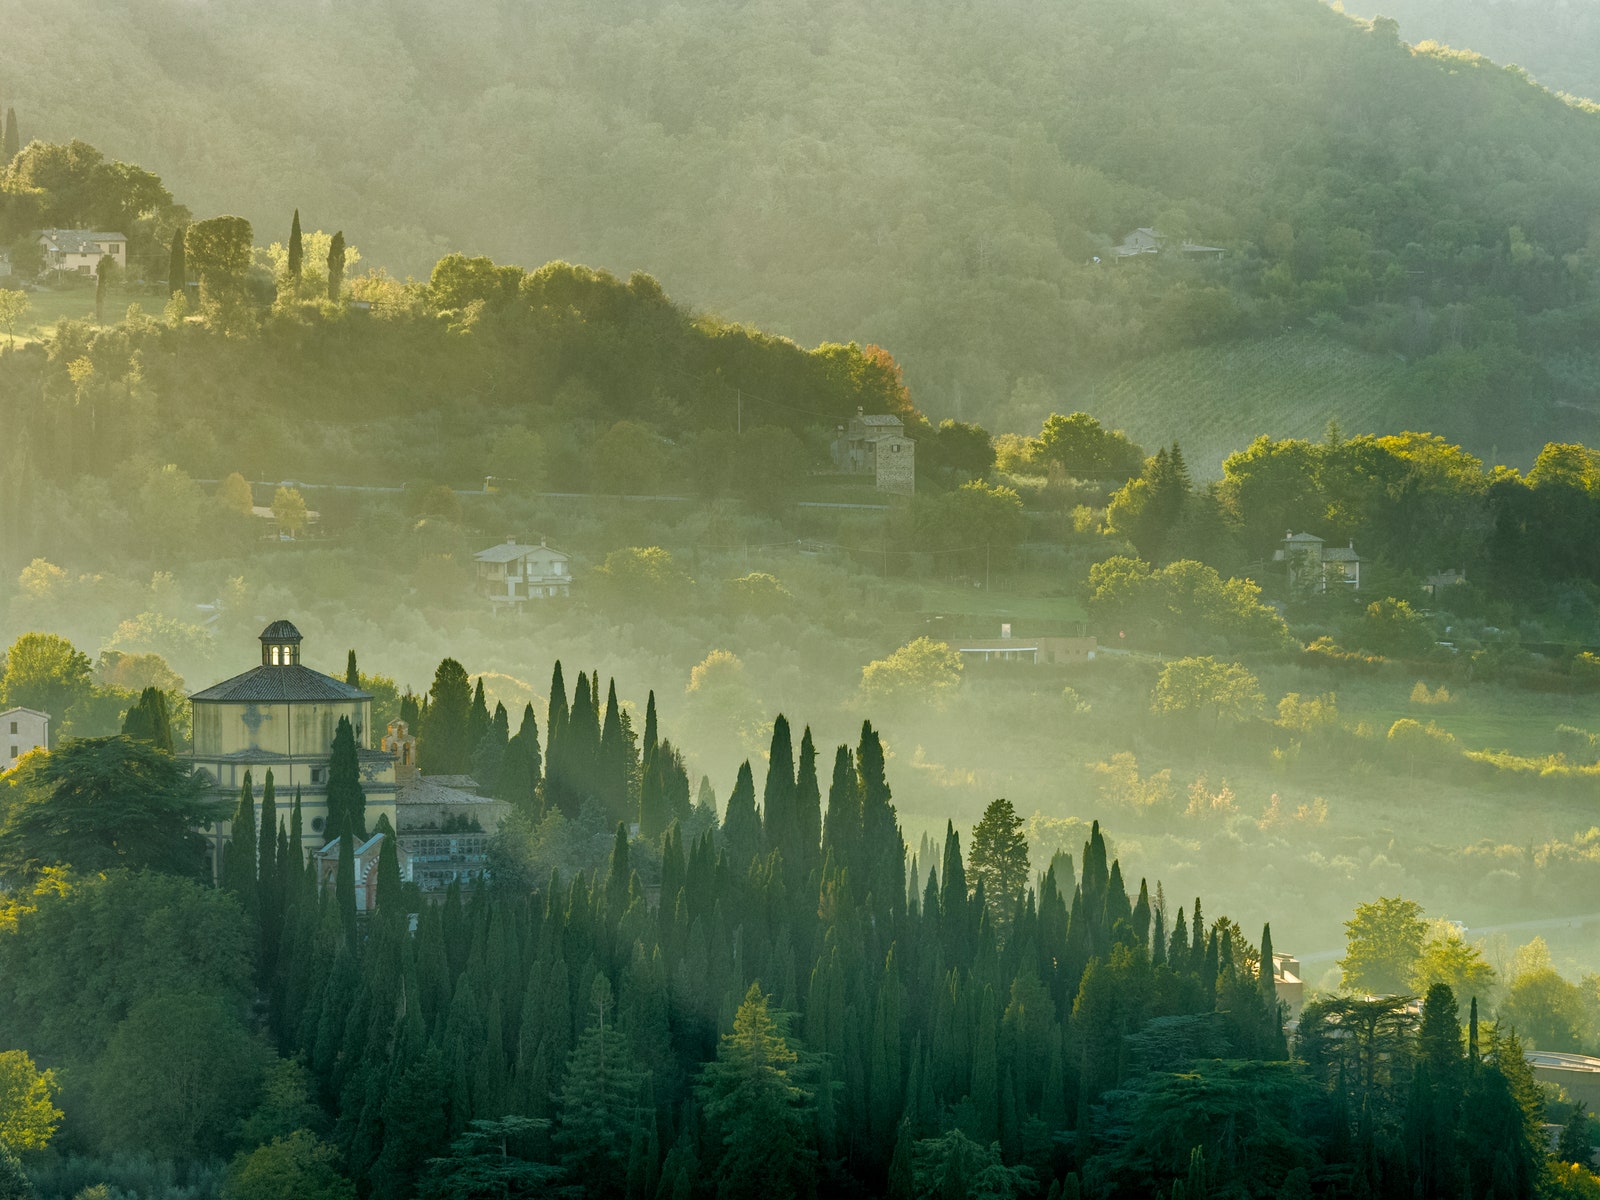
{"x":860,"y":412}
{"x":511,"y":539}
{"x":1005,"y":629}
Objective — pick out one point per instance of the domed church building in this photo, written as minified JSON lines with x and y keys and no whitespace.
{"x":281,"y":716}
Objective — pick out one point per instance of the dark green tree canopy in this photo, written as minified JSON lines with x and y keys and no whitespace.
{"x":95,"y":804}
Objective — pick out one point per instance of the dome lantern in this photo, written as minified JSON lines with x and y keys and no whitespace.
{"x":280,"y":645}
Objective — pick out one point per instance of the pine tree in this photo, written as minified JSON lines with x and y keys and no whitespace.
{"x":336,"y":266}
{"x":346,"y":798}
{"x":758,"y":1108}
{"x":12,"y":146}
{"x":296,"y":254}
{"x":998,"y":860}
{"x":443,"y":745}
{"x":177,"y":266}
{"x":599,"y":1101}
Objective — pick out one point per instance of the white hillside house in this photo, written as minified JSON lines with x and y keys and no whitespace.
{"x":79,"y":251}
{"x":22,"y":730}
{"x":512,"y":573}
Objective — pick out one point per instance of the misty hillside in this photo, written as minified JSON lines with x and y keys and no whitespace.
{"x":937,"y":179}
{"x":1558,"y":43}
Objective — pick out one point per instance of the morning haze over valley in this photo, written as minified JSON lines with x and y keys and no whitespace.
{"x":801,"y":598}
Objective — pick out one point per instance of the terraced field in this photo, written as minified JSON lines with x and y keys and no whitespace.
{"x":1217,"y":399}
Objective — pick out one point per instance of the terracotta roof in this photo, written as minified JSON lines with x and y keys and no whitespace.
{"x":294,"y":682}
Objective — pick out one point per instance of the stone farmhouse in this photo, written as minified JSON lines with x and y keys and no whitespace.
{"x":1312,"y":567}
{"x":877,"y":445}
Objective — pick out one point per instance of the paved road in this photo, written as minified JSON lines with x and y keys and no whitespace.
{"x":1471,"y":931}
{"x":367,"y":487}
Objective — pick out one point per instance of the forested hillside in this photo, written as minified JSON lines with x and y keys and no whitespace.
{"x":937,"y":179}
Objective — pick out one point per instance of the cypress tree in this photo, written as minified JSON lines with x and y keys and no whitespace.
{"x":1141,"y":917}
{"x":336,"y":266}
{"x":841,"y":827}
{"x":808,"y":809}
{"x":520,"y":765}
{"x":389,"y":898}
{"x":488,"y":756}
{"x":344,"y":885}
{"x":778,"y":816}
{"x":1197,"y":938}
{"x":12,"y":146}
{"x":443,"y":747}
{"x":297,"y":847}
{"x":296,"y":249}
{"x":346,"y":799}
{"x":478,"y":719}
{"x":741,"y":827}
{"x":239,"y":856}
{"x":613,"y":767}
{"x":148,"y":719}
{"x":177,"y":266}
{"x":651,"y":733}
{"x":409,"y":712}
{"x":555,"y":732}
{"x":269,"y":888}
{"x":653,"y":817}
{"x":1265,"y":976}
{"x":351,"y":675}
{"x":1178,"y":949}
{"x":883,"y":851}
{"x":581,"y":745}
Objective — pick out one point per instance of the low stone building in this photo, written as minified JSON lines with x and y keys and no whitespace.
{"x":877,"y":445}
{"x":1052,"y":650}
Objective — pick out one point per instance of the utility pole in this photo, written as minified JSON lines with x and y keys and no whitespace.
{"x":738,"y":422}
{"x":986,"y":566}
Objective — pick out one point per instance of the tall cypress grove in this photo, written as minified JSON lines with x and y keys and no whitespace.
{"x":908,"y":1005}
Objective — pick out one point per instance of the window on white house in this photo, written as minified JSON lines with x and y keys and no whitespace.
{"x":317,"y":774}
